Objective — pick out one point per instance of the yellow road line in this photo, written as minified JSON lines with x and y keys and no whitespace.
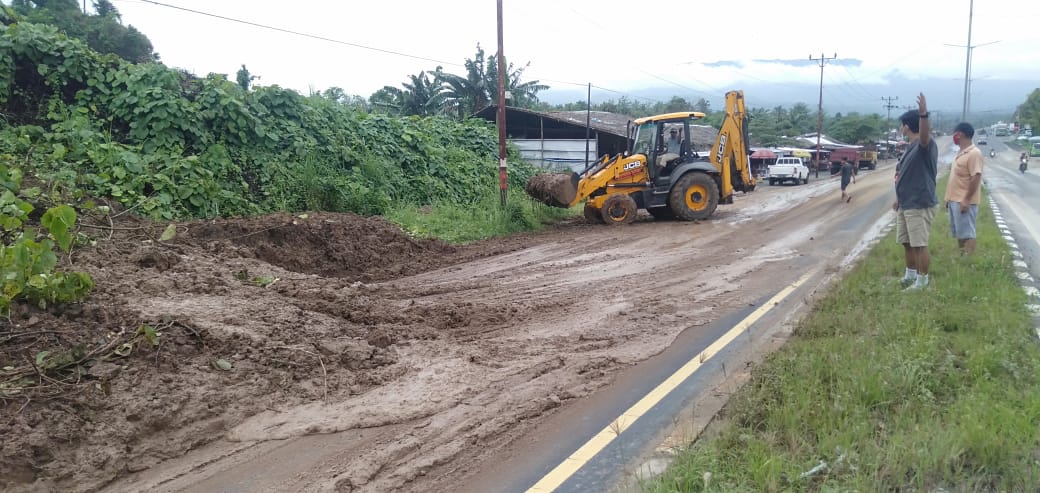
{"x":579,"y":458}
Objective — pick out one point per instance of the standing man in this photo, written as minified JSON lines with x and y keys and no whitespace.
{"x":964,"y":188}
{"x":915,"y":194}
{"x":847,"y":173}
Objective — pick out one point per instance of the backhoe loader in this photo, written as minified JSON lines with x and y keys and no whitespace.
{"x":668,"y":181}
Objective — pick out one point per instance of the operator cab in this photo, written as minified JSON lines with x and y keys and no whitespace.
{"x":665,"y":141}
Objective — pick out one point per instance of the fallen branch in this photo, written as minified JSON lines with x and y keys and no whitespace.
{"x":32,"y":369}
{"x":259,"y":231}
{"x":113,"y":228}
{"x":139,"y":204}
{"x":11,"y":337}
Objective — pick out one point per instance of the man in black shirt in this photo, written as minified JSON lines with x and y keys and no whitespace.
{"x":915,"y":194}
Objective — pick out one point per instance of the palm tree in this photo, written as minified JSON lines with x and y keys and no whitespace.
{"x":420,"y":96}
{"x":801,"y":118}
{"x":424,"y":97}
{"x":479,"y":87}
{"x":469,"y":94}
{"x":525,"y":94}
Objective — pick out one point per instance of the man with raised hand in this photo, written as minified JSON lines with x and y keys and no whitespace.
{"x":915,"y":194}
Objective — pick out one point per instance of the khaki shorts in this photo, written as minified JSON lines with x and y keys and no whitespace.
{"x":913,"y":226}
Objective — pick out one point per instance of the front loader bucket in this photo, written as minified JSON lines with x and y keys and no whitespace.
{"x":553,"y":189}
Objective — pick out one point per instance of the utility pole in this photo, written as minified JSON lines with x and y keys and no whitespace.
{"x":502,"y":171}
{"x":967,"y":64}
{"x":888,"y":106}
{"x":588,"y":122}
{"x":819,"y":112}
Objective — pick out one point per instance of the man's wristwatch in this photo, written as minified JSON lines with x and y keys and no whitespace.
{"x":923,"y":115}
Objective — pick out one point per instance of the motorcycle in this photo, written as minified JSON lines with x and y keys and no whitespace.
{"x":992,"y":153}
{"x":1024,"y":164}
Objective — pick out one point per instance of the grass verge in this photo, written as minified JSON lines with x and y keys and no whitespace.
{"x":936,"y":390}
{"x":456,"y":223}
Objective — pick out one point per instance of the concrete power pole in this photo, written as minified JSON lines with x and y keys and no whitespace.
{"x":502,"y":170}
{"x":819,"y":112}
{"x":888,"y":106}
{"x":967,"y":65}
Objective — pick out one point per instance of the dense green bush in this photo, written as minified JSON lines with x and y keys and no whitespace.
{"x":175,"y":145}
{"x":171,"y":145}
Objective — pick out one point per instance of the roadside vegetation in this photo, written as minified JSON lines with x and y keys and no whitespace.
{"x":82,"y":131}
{"x":881,"y":390}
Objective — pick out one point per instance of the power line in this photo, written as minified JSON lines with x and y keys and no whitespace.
{"x":607,"y":29}
{"x":855,"y":82}
{"x":298,"y":33}
{"x":371,"y":48}
{"x":844,"y":87}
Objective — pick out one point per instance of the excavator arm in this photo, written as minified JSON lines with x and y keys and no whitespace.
{"x":730,"y":154}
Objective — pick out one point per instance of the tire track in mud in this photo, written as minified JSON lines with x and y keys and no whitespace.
{"x":464,"y":359}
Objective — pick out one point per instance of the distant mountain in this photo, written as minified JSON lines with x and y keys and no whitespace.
{"x":991,"y":99}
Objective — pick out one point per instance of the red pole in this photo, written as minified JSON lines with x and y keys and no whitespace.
{"x":502,"y":172}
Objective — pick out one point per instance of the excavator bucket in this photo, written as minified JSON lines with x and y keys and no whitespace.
{"x":553,"y":189}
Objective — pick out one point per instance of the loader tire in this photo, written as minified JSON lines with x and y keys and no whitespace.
{"x":592,"y":215}
{"x":695,"y":196}
{"x":619,"y":209}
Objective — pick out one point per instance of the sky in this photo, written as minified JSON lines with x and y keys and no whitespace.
{"x":617,"y":46}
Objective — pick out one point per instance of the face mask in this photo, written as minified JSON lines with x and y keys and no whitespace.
{"x":956,"y":139}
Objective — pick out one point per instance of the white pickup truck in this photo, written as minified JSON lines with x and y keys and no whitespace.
{"x":788,"y":168}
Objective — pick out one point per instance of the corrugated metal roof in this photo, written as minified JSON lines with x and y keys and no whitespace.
{"x":613,"y":123}
{"x":825,"y":141}
{"x":603,"y":121}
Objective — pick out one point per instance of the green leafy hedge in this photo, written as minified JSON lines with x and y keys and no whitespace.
{"x":171,"y":145}
{"x":180,"y":146}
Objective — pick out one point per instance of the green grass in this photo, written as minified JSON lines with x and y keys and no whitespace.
{"x":930,"y":391}
{"x":467,"y":223}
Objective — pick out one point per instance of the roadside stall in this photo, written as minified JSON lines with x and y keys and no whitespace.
{"x":760,"y":161}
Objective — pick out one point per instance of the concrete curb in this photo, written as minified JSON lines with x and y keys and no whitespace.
{"x":1029,"y":284}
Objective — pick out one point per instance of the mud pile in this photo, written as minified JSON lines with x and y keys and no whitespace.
{"x":553,"y":189}
{"x":182,"y":339}
{"x":324,"y":244}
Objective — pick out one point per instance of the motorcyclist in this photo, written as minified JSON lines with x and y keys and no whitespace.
{"x":1024,"y":162}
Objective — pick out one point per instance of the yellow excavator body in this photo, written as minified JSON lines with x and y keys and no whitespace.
{"x":668,"y":179}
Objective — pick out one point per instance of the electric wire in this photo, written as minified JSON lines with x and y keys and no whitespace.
{"x":371,"y":48}
{"x":844,"y":85}
{"x":303,"y":34}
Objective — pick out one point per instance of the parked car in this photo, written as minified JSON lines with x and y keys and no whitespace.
{"x":788,"y":169}
{"x":981,"y":141}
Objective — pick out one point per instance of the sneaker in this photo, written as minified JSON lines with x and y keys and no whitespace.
{"x":917,"y":286}
{"x":906,"y":283}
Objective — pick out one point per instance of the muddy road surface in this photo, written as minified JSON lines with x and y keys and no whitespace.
{"x":331,"y":352}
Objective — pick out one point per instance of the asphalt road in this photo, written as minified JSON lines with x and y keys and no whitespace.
{"x":700,"y":303}
{"x":609,"y":440}
{"x":1017,"y":196}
